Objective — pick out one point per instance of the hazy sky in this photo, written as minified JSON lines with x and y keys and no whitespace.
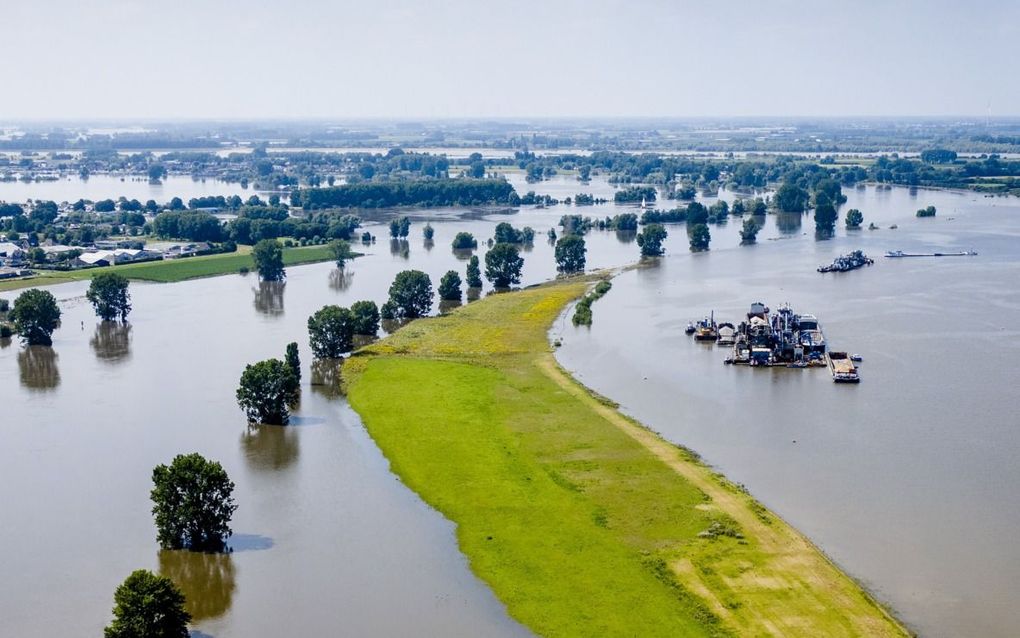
{"x":435,"y":58}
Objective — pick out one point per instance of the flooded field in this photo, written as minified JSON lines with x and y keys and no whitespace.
{"x":96,"y":187}
{"x":889,"y":477}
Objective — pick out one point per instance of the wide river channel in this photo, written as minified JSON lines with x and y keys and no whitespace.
{"x":908,"y":480}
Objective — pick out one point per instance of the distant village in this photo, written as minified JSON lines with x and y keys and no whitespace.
{"x":15,"y":258}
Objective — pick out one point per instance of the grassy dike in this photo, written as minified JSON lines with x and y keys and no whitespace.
{"x":583,"y":522}
{"x":170,"y":270}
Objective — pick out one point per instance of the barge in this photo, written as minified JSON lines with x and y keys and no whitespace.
{"x":896,"y":254}
{"x":842,"y":368}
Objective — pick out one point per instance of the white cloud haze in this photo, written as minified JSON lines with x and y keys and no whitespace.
{"x":197,"y":59}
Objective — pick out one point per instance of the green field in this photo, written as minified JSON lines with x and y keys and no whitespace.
{"x":583,"y":522}
{"x":174,"y":269}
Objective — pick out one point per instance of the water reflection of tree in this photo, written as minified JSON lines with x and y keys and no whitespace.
{"x":5,"y":342}
{"x":401,"y":248}
{"x":37,"y":366}
{"x":270,"y":447}
{"x":789,"y":223}
{"x":340,"y":280}
{"x":112,"y":341}
{"x":326,"y":377}
{"x":269,"y":297}
{"x":626,"y":236}
{"x":463,"y":254}
{"x":473,"y":294}
{"x":207,"y":581}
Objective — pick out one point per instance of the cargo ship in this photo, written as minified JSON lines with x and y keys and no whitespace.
{"x":845,"y":263}
{"x":783,"y":338}
{"x":706,"y":329}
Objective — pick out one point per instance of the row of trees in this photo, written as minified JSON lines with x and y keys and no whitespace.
{"x":421,"y":192}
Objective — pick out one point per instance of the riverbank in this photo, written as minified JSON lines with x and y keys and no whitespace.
{"x":582,"y":521}
{"x":170,"y":270}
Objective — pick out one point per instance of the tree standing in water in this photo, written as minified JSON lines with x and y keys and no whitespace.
{"x":35,"y":316}
{"x":192,"y":504}
{"x":108,"y":294}
{"x":268,"y":255}
{"x":266,"y":391}
{"x":148,"y":606}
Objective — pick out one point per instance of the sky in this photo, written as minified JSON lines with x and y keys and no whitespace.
{"x":255,"y":59}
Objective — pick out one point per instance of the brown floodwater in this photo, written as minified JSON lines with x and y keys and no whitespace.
{"x":908,"y":480}
{"x":905,"y":480}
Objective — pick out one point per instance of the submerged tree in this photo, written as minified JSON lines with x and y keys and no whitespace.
{"x":108,"y":294}
{"x":570,"y":254}
{"x":790,"y":198}
{"x":503,"y":265}
{"x":410,"y":295}
{"x":449,"y":286}
{"x":428,"y":231}
{"x":148,"y":606}
{"x":341,"y":251}
{"x":35,"y":316}
{"x":700,"y":237}
{"x":464,"y":241}
{"x":473,"y":276}
{"x":266,"y":391}
{"x":650,"y":240}
{"x":854,"y":219}
{"x":268,"y":256}
{"x":400,"y":227}
{"x":192,"y":504}
{"x":331,"y":332}
{"x":366,"y":318}
{"x":825,"y":216}
{"x":749,"y":231}
{"x":292,"y":360}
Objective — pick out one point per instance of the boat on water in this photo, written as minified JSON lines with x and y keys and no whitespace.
{"x":727,"y":334}
{"x":896,"y":254}
{"x":842,"y":367}
{"x":845,"y":263}
{"x":689,"y":330}
{"x":706,"y":329}
{"x":781,"y":338}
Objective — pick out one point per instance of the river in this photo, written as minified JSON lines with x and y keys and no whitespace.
{"x":908,"y":480}
{"x":905,"y":483}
